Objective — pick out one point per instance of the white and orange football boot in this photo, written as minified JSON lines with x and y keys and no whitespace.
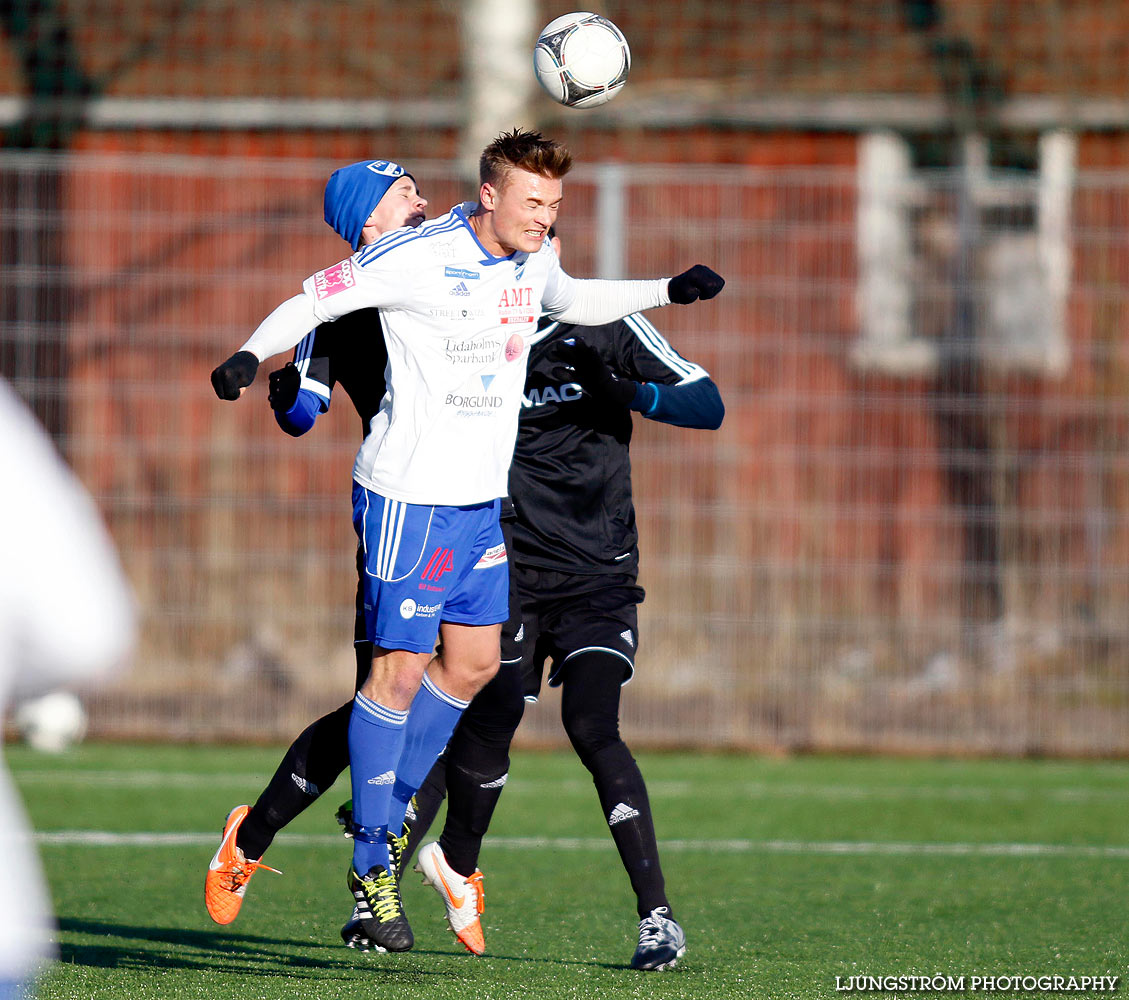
{"x":464,"y":896}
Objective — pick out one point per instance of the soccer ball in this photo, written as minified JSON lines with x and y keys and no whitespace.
{"x":581,"y":60}
{"x":51,"y":723}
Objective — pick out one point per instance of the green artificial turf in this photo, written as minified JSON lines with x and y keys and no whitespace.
{"x":789,"y":876}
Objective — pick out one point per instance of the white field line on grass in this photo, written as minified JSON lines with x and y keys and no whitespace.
{"x":656,"y":789}
{"x":100,"y":838}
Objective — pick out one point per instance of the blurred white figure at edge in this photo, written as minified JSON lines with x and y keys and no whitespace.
{"x":66,"y":616}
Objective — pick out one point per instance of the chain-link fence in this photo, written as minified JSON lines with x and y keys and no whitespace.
{"x":909,"y":534}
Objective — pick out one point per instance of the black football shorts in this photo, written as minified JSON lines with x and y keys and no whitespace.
{"x":563,"y":614}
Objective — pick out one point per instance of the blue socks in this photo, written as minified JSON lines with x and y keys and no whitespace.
{"x":431,"y":720}
{"x":376,"y":739}
{"x":390,"y":755}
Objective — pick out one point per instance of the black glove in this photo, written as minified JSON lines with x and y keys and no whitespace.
{"x":284,"y":385}
{"x":584,"y":365}
{"x":700,"y":282}
{"x":235,"y":373}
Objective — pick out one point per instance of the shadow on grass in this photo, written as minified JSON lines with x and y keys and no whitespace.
{"x":256,"y":955}
{"x":222,"y":951}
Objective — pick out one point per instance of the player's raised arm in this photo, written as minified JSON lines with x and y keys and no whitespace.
{"x":593,"y":301}
{"x":692,"y":402}
{"x":280,"y":331}
{"x":355,"y":207}
{"x":352,"y":284}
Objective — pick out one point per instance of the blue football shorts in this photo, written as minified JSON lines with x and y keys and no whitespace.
{"x":424,"y":565}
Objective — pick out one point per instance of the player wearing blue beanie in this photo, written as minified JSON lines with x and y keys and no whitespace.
{"x":362,"y":202}
{"x":353,"y":192}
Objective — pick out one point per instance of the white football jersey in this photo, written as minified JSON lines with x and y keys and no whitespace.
{"x":458,"y":323}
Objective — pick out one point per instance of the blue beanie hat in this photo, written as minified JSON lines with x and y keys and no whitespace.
{"x":354,"y":191}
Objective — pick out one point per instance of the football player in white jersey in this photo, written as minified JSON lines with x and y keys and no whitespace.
{"x":459,"y":301}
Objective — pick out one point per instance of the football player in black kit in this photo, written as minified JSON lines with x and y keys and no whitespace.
{"x":572,"y":546}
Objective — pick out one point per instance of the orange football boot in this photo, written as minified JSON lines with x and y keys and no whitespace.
{"x":229,"y":872}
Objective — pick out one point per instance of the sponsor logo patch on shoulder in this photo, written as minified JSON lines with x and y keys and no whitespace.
{"x":493,"y":556}
{"x":334,"y":279}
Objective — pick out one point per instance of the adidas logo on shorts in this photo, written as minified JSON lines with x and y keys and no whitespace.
{"x":627,"y":637}
{"x":497,"y":782}
{"x":621,"y":813}
{"x":387,"y":778}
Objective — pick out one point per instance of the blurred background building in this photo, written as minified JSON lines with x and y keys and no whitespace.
{"x":912,"y":532}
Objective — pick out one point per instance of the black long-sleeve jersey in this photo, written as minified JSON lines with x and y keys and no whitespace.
{"x":571,"y":476}
{"x":570,"y":480}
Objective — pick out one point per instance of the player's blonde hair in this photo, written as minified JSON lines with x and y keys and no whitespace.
{"x":522,"y":149}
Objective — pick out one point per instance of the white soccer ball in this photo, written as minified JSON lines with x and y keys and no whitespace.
{"x":51,"y":723}
{"x":581,"y":60}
